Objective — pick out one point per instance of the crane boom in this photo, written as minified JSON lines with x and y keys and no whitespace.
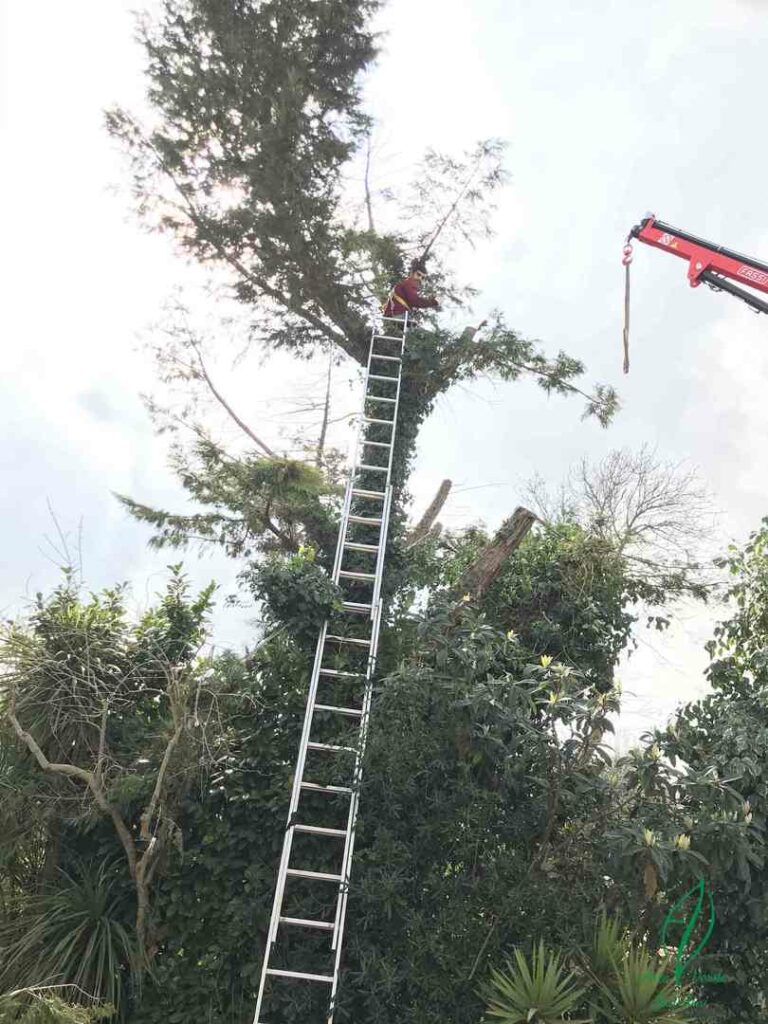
{"x":713,"y":264}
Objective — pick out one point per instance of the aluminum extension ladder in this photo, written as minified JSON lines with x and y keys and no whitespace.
{"x":345,"y":658}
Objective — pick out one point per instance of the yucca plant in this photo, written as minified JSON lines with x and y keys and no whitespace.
{"x":630,"y":984}
{"x":73,"y":935}
{"x":612,"y":943}
{"x":542,"y":992}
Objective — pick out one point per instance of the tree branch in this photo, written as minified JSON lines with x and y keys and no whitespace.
{"x":368,"y":204}
{"x":146,"y":818}
{"x":223,"y":402}
{"x":102,"y":743}
{"x":424,"y":526}
{"x":86,"y":777}
{"x":452,"y":209}
{"x":326,"y":413}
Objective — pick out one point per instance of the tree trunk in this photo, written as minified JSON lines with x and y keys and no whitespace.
{"x":479,"y":576}
{"x":424,"y":526}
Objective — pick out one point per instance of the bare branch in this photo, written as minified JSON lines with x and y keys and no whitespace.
{"x":368,"y":203}
{"x":149,"y":812}
{"x":84,"y":776}
{"x":101,"y":756}
{"x":655,"y":514}
{"x":466,"y":185}
{"x":326,"y":413}
{"x":223,"y":402}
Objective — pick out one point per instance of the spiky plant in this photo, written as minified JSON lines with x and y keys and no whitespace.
{"x":541,"y":991}
{"x":74,"y":934}
{"x":631,"y":986}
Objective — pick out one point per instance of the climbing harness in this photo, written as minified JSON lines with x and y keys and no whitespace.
{"x":322,"y":815}
{"x":394,"y":297}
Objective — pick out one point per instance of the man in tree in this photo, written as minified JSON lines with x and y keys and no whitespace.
{"x":405,"y":296}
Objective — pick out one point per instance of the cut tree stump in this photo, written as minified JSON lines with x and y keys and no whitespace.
{"x":487,"y":566}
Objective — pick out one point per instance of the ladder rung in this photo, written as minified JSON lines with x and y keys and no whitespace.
{"x":378,"y":444}
{"x":336,"y":672}
{"x":315,"y":787}
{"x":356,"y":606}
{"x":320,"y":876}
{"x":379,"y":376}
{"x":352,"y":712}
{"x":370,"y":419}
{"x":378,"y":398}
{"x":389,"y":359}
{"x":357,"y":575}
{"x":353,"y":546}
{"x":373,"y":469}
{"x":321,"y":830}
{"x":364,"y":519}
{"x":299,"y":974}
{"x":361,"y":641}
{"x":358,"y":493}
{"x":389,"y":337}
{"x":334,"y":748}
{"x":303,"y":922}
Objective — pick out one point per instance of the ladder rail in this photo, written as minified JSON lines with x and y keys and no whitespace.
{"x":384,"y":530}
{"x":362,"y":716}
{"x":297,"y":780}
{"x":341,"y":906}
{"x":343,"y":521}
{"x":277,"y":903}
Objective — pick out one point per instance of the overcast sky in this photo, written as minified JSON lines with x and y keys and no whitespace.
{"x":610,"y":109}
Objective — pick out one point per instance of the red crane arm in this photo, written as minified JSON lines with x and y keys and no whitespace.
{"x":713,"y":264}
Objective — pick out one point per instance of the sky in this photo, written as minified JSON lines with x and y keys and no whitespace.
{"x":610,"y":110}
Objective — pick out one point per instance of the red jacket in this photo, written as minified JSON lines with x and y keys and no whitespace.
{"x":405,"y":297}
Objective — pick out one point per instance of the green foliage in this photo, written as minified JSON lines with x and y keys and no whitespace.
{"x":298,"y":594}
{"x":76,"y":660}
{"x":77,"y":930}
{"x":487,"y":793}
{"x":640,"y":991}
{"x":43,"y":1006}
{"x":258,"y":108}
{"x":488,"y":785}
{"x":216,"y":896}
{"x":26,"y":821}
{"x":539,"y":993}
{"x":724,"y":736}
{"x":618,"y":981}
{"x":65,"y":664}
{"x":566,"y":594}
{"x":108,"y":723}
{"x":437,"y":359}
{"x":258,"y":504}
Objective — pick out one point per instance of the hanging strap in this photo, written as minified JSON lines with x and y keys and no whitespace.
{"x":626,"y":259}
{"x":394,"y":297}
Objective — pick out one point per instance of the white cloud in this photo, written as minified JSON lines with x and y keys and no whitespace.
{"x":609,"y":109}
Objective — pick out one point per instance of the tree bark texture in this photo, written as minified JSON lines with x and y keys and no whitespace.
{"x":425,"y":525}
{"x":481,"y":574}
